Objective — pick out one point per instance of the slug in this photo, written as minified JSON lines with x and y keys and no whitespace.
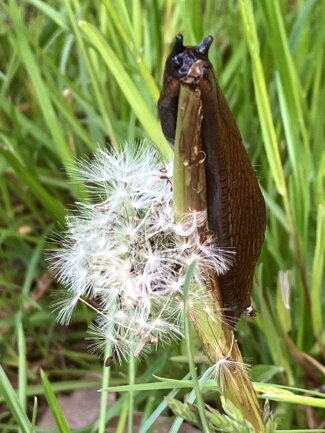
{"x":235,"y":205}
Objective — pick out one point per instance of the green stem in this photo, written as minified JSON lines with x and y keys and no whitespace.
{"x":104,"y":395}
{"x":189,"y":351}
{"x":131,"y":393}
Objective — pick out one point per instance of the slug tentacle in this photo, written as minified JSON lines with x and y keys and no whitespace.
{"x":236,"y":208}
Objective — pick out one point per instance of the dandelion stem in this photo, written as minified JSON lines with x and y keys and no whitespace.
{"x":104,"y":395}
{"x":131,"y":394}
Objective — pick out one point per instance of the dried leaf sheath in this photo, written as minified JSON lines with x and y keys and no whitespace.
{"x":236,"y":210}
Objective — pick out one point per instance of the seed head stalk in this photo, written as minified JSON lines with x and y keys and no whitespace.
{"x":190,"y":195}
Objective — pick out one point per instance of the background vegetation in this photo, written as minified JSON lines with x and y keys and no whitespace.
{"x":75,"y":75}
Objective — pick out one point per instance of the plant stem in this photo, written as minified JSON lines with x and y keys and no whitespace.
{"x":189,"y":351}
{"x":190,"y":196}
{"x":131,"y":394}
{"x":104,"y":395}
{"x":189,"y":175}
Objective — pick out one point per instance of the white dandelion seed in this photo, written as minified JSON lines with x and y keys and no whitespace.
{"x":225,"y":371}
{"x":124,"y":253}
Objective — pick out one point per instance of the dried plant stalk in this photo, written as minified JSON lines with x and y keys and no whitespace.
{"x":190,"y":196}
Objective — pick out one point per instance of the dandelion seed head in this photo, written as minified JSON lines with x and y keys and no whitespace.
{"x":125,"y":252}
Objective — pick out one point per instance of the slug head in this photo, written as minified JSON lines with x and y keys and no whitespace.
{"x":189,"y":64}
{"x":186,"y":65}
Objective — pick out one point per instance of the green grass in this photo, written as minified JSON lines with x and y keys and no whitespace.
{"x":74,"y":75}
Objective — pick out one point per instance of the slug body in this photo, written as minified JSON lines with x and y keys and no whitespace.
{"x":236,"y":208}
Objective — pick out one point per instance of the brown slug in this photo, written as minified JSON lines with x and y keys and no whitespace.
{"x":236,"y":208}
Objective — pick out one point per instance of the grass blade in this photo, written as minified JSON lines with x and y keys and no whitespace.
{"x":54,"y":405}
{"x":13,"y":403}
{"x":128,"y":88}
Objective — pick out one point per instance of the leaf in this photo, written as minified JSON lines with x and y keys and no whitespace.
{"x":10,"y":397}
{"x":130,"y":91}
{"x":264,"y":373}
{"x":54,"y":405}
{"x":185,"y":411}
